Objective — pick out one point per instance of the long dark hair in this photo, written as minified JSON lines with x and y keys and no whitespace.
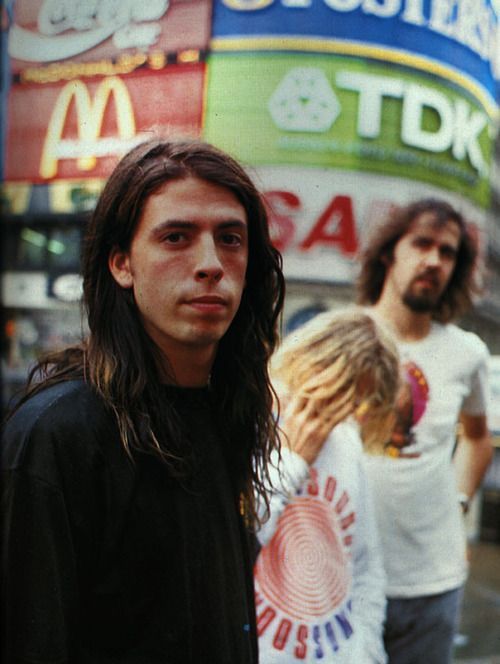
{"x":378,"y":252}
{"x":119,"y":359}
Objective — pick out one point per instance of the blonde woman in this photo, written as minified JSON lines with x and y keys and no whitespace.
{"x":319,"y":576}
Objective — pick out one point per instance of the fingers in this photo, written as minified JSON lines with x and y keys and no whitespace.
{"x":305,"y":428}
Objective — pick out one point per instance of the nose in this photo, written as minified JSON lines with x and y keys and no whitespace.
{"x":209,"y":265}
{"x":433,"y":257}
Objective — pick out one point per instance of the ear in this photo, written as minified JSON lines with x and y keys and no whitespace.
{"x":119,"y":266}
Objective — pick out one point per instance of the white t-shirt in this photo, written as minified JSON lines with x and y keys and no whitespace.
{"x":419,"y":517}
{"x":319,"y":577}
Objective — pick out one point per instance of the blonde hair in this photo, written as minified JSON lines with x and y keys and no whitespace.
{"x":342,"y":359}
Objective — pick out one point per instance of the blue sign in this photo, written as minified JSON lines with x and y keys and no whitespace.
{"x":442,"y":38}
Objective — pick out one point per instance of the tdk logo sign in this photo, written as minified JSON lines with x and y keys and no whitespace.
{"x":304,"y":101}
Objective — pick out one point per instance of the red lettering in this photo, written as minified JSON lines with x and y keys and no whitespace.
{"x":265,"y":619}
{"x":343,"y":500}
{"x":347,"y":521}
{"x":279,"y":204}
{"x":331,"y":485}
{"x":282,"y":633}
{"x":301,"y":647}
{"x":312,"y":487}
{"x":335,"y":227}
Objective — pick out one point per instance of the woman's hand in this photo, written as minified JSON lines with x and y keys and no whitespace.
{"x":304,"y":428}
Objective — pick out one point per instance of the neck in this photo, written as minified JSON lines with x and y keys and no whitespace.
{"x":188,"y":368}
{"x":406,"y":324}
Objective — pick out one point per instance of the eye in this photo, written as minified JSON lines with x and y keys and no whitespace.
{"x":232,"y":239}
{"x":174,"y":237}
{"x":422,"y":242}
{"x":449,"y":253}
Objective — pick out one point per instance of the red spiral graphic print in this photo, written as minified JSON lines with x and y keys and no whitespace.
{"x":303,"y":570}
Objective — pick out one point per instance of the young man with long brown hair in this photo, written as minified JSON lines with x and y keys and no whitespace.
{"x":417,"y":276}
{"x":130,"y":464}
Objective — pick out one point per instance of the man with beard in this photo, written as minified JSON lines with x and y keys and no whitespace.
{"x":417,"y":275}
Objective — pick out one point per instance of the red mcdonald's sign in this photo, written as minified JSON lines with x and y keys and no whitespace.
{"x":80,"y":128}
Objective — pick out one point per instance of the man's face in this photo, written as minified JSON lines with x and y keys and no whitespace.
{"x":423,"y":263}
{"x":186,"y":264}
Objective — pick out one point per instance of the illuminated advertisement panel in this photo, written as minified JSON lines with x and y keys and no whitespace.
{"x":79,"y":129}
{"x":318,"y":216}
{"x":63,"y":32}
{"x":456,"y":40}
{"x":339,"y":112}
{"x":4,"y":76}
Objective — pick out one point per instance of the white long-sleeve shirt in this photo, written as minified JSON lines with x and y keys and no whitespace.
{"x":319,"y":576}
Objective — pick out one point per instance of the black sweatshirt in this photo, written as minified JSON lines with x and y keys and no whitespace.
{"x":108,"y":561}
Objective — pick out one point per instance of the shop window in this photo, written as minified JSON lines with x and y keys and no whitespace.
{"x":42,"y":245}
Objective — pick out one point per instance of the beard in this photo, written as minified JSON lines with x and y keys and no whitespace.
{"x":422,"y":303}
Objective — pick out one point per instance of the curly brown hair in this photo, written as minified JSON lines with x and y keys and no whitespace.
{"x":378,"y":251}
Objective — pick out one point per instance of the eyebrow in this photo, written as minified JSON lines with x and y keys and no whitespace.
{"x":446,"y":245}
{"x":184,"y":224}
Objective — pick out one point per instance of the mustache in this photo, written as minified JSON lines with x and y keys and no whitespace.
{"x":430,"y":275}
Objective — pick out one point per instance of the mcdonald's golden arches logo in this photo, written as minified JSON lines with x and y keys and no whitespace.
{"x":90,"y":115}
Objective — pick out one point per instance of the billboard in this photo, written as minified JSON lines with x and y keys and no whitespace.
{"x":90,"y":80}
{"x":318,"y":216}
{"x":81,"y":127}
{"x":346,"y":107}
{"x":343,"y":112}
{"x":56,"y":34}
{"x":456,"y":40}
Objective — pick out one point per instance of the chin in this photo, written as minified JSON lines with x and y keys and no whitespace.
{"x":207,"y":337}
{"x":420,"y":306}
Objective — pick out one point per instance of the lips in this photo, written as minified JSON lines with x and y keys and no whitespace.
{"x":427,"y":280}
{"x":208,"y":299}
{"x":208,"y":304}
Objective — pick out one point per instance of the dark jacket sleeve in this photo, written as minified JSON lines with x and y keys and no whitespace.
{"x":51,"y":523}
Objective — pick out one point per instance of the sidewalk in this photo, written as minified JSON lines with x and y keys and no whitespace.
{"x":479,"y":640}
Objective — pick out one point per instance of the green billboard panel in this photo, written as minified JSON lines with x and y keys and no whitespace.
{"x":318,"y":110}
